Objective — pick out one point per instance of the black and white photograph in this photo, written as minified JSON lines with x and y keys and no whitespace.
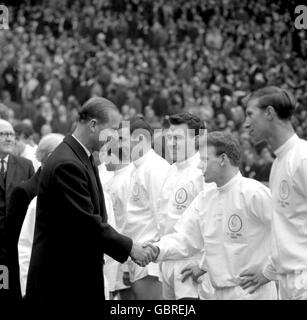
{"x":152,"y":150}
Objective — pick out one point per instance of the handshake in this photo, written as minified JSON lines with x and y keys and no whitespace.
{"x":143,"y":254}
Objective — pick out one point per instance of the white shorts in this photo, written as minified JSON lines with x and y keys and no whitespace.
{"x":293,"y":286}
{"x":136,"y":272}
{"x":266,"y":292}
{"x":172,"y":286}
{"x":205,"y":288}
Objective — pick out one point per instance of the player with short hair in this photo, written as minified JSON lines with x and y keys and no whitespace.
{"x":268,"y":117}
{"x":117,"y":188}
{"x":230,"y":222}
{"x":183,"y":183}
{"x":148,"y":175}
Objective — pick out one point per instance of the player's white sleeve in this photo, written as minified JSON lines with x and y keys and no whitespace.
{"x":187,"y":239}
{"x":111,"y":266}
{"x":25,"y":244}
{"x":261,"y":205}
{"x":124,"y":267}
{"x":156,"y":181}
{"x":300,"y":179}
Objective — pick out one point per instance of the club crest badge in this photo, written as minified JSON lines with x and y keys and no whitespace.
{"x":136,"y":192}
{"x":235,"y":223}
{"x":181,"y":196}
{"x":284,"y":190}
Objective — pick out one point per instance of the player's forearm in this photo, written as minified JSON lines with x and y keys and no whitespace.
{"x":174,"y":247}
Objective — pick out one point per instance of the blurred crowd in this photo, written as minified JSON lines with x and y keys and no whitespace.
{"x":154,"y":58}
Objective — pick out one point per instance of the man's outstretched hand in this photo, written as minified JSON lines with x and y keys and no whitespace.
{"x":143,"y":254}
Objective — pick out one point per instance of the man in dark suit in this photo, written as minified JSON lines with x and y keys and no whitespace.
{"x":13,"y":170}
{"x":20,"y":199}
{"x":71,"y":231}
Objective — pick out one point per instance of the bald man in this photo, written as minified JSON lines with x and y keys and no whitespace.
{"x":13,"y":170}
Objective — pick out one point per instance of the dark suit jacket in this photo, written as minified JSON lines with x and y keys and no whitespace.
{"x":18,"y":170}
{"x":17,"y":208}
{"x":71,"y":233}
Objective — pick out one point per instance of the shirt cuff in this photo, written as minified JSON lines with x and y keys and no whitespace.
{"x":125,"y":267}
{"x":161,"y":252}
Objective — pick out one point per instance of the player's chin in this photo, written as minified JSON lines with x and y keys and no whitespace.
{"x":255,"y":136}
{"x":257,"y":139}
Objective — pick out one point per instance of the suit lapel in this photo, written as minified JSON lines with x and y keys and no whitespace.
{"x":101,"y":195}
{"x":2,"y":186}
{"x":11,"y":169}
{"x":78,"y":150}
{"x":81,"y":154}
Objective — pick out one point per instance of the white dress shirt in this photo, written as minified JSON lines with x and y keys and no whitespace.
{"x":6,"y":159}
{"x":83,"y":146}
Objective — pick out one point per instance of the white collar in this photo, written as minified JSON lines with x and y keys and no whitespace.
{"x":83,"y":146}
{"x":141,"y":160}
{"x":6,"y":159}
{"x":284,"y":148}
{"x":230,"y":183}
{"x":185,"y":163}
{"x":116,"y":172}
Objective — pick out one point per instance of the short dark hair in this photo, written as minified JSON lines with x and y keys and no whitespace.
{"x":138,"y":122}
{"x":98,"y":108}
{"x":281,"y":100}
{"x":224,"y":142}
{"x":23,"y":128}
{"x":191,"y":120}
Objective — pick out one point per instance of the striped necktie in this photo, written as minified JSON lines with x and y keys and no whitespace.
{"x":2,"y":169}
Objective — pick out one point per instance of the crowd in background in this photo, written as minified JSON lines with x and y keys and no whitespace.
{"x":154,"y":58}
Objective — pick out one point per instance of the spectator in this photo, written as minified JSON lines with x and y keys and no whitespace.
{"x":173,"y":55}
{"x":24,"y":143}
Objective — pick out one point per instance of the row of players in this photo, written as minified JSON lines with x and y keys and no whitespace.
{"x":214,"y":233}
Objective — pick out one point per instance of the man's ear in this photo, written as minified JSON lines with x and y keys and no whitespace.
{"x":270,"y":113}
{"x":92,"y":124}
{"x":223,"y":159}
